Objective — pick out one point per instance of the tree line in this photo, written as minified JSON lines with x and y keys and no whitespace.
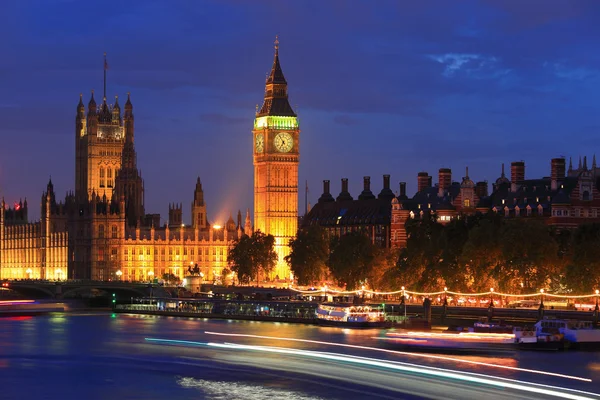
{"x":468,"y":254}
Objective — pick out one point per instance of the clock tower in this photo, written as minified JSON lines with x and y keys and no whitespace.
{"x":276,"y":156}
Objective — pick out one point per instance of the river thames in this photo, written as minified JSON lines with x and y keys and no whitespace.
{"x":120,"y":356}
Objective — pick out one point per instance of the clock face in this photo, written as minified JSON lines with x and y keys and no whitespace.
{"x":284,"y":142}
{"x":260,"y":143}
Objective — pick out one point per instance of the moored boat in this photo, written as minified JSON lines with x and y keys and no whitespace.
{"x":351,"y":316}
{"x":579,"y":335}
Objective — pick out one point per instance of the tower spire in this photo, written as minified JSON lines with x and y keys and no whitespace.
{"x":276,"y":96}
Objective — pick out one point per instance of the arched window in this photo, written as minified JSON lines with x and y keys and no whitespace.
{"x":114,"y":231}
{"x":467,"y":203}
{"x":109,"y":177}
{"x":101,"y":176}
{"x":101,"y":231}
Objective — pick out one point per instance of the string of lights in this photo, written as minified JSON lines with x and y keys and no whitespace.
{"x":491,"y":292}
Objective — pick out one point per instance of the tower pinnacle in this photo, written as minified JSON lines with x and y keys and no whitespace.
{"x":276,"y":45}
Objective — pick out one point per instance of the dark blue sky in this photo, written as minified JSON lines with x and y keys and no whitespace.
{"x":398,"y":88}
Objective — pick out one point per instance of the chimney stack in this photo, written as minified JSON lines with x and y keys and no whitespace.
{"x":481,"y":189}
{"x":402,"y":189}
{"x":366,"y":193}
{"x":422,"y":181}
{"x":326,"y":196}
{"x":444,"y":180}
{"x":344,"y":194}
{"x":557,"y":171}
{"x":386,"y":192}
{"x":517,"y":174}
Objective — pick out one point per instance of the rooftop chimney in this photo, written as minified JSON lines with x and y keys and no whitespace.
{"x":557,"y":171}
{"x":344,"y":194}
{"x":444,"y":180}
{"x":386,"y":192}
{"x":481,"y":189}
{"x":517,"y":174}
{"x":422,"y":181}
{"x":326,"y":196}
{"x":366,"y":193}
{"x":403,"y":189}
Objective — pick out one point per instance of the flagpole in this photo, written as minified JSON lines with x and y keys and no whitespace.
{"x":104,"y":75}
{"x":306,"y":199}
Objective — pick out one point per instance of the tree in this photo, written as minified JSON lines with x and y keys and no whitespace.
{"x":419,"y":262}
{"x":530,"y":255}
{"x":583,"y":272}
{"x":251,"y":255}
{"x":240,"y":259}
{"x":351,"y":258}
{"x":170,"y":278}
{"x":309,"y":253}
{"x":381,"y":271}
{"x":481,"y":256}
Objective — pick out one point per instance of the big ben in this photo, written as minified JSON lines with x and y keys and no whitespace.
{"x":276,"y":156}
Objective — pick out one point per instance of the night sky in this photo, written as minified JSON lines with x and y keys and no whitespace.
{"x":399,"y":88}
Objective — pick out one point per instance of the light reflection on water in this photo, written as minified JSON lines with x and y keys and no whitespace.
{"x":64,"y":348}
{"x":239,"y":391}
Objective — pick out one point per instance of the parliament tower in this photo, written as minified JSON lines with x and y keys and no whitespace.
{"x":276,"y":155}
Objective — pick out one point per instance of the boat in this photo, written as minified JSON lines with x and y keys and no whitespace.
{"x":17,"y":308}
{"x":579,"y":335}
{"x":463,"y":341}
{"x":351,"y":316}
{"x":491,"y":327}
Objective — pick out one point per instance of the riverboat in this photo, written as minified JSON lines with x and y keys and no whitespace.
{"x":579,"y":335}
{"x":491,"y":327}
{"x":14,"y":308}
{"x":351,"y":316}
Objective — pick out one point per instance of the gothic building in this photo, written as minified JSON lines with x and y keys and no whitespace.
{"x":276,"y":137}
{"x":101,"y":231}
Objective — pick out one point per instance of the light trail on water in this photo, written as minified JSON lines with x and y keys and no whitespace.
{"x":418,"y":355}
{"x":498,"y":382}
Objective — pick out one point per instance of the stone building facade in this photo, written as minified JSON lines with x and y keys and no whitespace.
{"x":101,"y":230}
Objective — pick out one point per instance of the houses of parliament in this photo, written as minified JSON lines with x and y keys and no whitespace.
{"x":101,"y":230}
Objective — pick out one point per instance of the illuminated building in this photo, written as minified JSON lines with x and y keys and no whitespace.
{"x":565,"y":199}
{"x":276,"y":156}
{"x":562,"y":200}
{"x":101,"y":230}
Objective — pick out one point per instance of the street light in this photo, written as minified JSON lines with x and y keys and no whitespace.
{"x":597,"y":292}
{"x":150,"y":275}
{"x":119,"y":273}
{"x":58,"y":273}
{"x":491,"y":297}
{"x":28,"y":273}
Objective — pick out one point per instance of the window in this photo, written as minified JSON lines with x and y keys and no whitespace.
{"x":113,"y":254}
{"x":101,"y":176}
{"x":586,"y":195}
{"x":100,"y":231}
{"x":100,"y":254}
{"x":114,"y":231}
{"x":467,"y":203}
{"x":109,"y":176}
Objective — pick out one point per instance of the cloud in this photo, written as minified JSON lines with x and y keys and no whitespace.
{"x":471,"y":65}
{"x":563,"y":71}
